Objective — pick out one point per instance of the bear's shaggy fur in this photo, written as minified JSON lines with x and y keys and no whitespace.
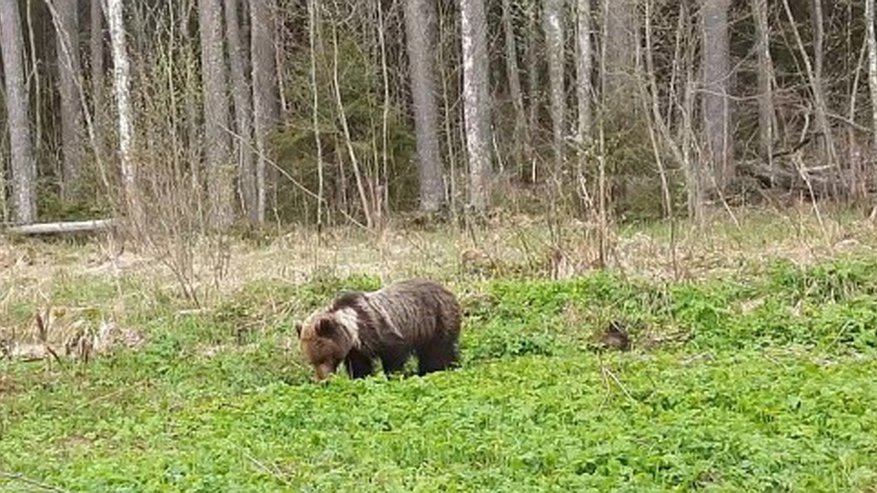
{"x":419,"y":316}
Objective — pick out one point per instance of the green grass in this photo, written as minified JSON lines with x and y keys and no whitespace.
{"x":766,"y":385}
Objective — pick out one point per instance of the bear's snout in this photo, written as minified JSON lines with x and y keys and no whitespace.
{"x":324,"y":371}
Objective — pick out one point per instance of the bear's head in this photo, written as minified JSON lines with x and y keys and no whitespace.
{"x":324,"y":342}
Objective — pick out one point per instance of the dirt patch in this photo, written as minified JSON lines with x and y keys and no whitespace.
{"x":8,"y":385}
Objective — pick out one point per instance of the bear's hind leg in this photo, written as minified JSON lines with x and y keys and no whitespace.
{"x":359,"y":365}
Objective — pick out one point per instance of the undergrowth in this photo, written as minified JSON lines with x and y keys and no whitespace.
{"x":763,"y":382}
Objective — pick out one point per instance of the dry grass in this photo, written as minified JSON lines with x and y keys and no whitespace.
{"x":38,"y":275}
{"x":717,"y":248}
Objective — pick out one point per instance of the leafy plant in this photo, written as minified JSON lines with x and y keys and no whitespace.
{"x":773,"y":391}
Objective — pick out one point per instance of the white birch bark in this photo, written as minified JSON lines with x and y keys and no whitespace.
{"x":872,"y":67}
{"x":121,"y":87}
{"x":476,"y":101}
{"x":552,"y":22}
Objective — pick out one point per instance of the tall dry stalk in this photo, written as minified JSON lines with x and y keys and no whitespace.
{"x":351,"y":153}
{"x":313,"y":23}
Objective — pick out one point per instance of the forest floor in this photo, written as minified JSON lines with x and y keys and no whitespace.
{"x":754,"y":339}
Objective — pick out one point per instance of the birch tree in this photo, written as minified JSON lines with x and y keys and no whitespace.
{"x":872,"y":67}
{"x":476,"y":100}
{"x":121,"y":87}
{"x":552,"y":19}
{"x":584,"y":64}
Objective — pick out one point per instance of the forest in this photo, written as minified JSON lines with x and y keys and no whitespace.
{"x":658,"y":217}
{"x":228,"y":112}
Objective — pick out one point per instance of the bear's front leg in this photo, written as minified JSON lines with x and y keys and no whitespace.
{"x":358,"y":365}
{"x":393,"y":361}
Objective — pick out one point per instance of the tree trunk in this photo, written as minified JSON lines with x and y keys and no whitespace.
{"x":821,"y":105}
{"x":23,"y":163}
{"x":818,"y":39}
{"x":420,"y":30}
{"x":264,"y":89}
{"x":872,"y":68}
{"x":192,"y":108}
{"x":96,"y":42}
{"x":121,"y":82}
{"x":214,"y":75}
{"x":584,"y":65}
{"x":243,"y":111}
{"x":619,"y":88}
{"x":69,"y":70}
{"x":533,"y":93}
{"x":552,"y":21}
{"x":476,"y":101}
{"x":815,"y":78}
{"x":716,"y":103}
{"x":694,"y":168}
{"x":313,"y":28}
{"x":521,"y":134}
{"x":765,"y":81}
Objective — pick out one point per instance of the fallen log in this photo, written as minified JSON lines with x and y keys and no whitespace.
{"x":92,"y":226}
{"x":814,"y":181}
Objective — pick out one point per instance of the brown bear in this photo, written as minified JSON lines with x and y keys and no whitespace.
{"x":419,"y":316}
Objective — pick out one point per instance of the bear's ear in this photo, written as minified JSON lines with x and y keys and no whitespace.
{"x":326,"y":328}
{"x":298,"y":329}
